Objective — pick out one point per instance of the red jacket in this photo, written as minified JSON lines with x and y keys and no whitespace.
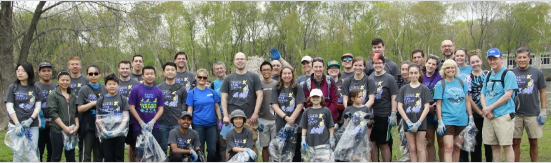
{"x":330,"y":99}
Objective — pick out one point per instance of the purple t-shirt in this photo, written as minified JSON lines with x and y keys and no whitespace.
{"x":146,"y":100}
{"x":430,"y":82}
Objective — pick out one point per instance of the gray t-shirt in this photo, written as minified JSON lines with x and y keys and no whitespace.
{"x":287,"y":101}
{"x":317,"y":123}
{"x":186,"y":79}
{"x":266,"y":111}
{"x":137,"y":77}
{"x":390,"y":67}
{"x":126,"y":87}
{"x":366,"y":84}
{"x":114,"y":104}
{"x":241,"y":91}
{"x":85,"y":96}
{"x":175,"y":102}
{"x":302,"y":79}
{"x":77,"y":83}
{"x":45,"y":90}
{"x":414,"y":100}
{"x":184,"y":141}
{"x":352,"y":109}
{"x":239,"y":140}
{"x":385,"y":87}
{"x":23,"y":99}
{"x":345,"y":75}
{"x":529,"y":81}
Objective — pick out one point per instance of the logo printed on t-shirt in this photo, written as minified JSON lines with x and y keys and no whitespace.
{"x":413,"y":99}
{"x":456,"y":95}
{"x":148,"y":106}
{"x":23,"y":97}
{"x":525,"y":79}
{"x":240,"y":89}
{"x":379,"y":90}
{"x":316,"y":119}
{"x":283,"y":99}
{"x":184,"y":144}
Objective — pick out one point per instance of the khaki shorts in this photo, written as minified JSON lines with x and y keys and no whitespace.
{"x":498,"y":131}
{"x":533,"y":127}
{"x":253,"y":128}
{"x":268,"y":133}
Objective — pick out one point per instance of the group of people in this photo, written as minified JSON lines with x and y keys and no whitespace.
{"x":186,"y":112}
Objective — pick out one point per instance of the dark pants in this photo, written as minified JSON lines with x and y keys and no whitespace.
{"x":44,"y":143}
{"x":178,"y":157}
{"x":113,"y":149}
{"x":56,"y":140}
{"x":476,"y":156}
{"x":297,"y":157}
{"x":207,"y":134}
{"x":220,"y":148}
{"x":90,"y":143}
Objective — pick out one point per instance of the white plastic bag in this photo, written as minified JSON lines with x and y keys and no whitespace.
{"x":70,"y":141}
{"x":148,"y":146}
{"x":354,"y":145}
{"x":244,"y":157}
{"x":22,"y":146}
{"x":404,"y":146}
{"x":282,"y":147}
{"x":114,"y":124}
{"x":320,"y":153}
{"x":466,"y":140}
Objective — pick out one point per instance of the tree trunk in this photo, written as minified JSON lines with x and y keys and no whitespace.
{"x":28,"y":39}
{"x":6,"y":56}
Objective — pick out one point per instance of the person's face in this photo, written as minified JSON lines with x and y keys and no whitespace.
{"x":413,"y":74}
{"x":74,"y":66}
{"x":318,"y":69}
{"x":404,"y":71}
{"x":185,"y":122}
{"x":238,"y":121}
{"x":169,"y":72}
{"x":447,"y":47}
{"x":111,"y":87}
{"x":64,"y":81}
{"x":287,"y":75}
{"x":148,"y":76}
{"x":124,"y":69}
{"x":418,"y":58}
{"x":379,"y":48}
{"x":523,"y":60}
{"x":431,"y":65}
{"x":347,"y":62}
{"x":315,"y":99}
{"x":202,"y":78}
{"x":181,"y":61}
{"x":21,"y":74}
{"x":358,"y":67}
{"x":137,"y":63}
{"x":276,"y":67}
{"x":495,"y":62}
{"x":45,"y":73}
{"x":266,"y":71}
{"x":219,"y":70}
{"x":450,"y":71}
{"x":476,"y":63}
{"x":358,"y":99}
{"x":460,"y":56}
{"x":240,"y":61}
{"x":93,"y":74}
{"x":333,"y":71}
{"x":306,"y":66}
{"x":378,"y":65}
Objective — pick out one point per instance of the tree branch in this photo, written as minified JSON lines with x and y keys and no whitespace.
{"x":63,"y":28}
{"x":52,"y":6}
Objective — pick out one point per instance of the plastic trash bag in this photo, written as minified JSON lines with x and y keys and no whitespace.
{"x":466,"y":140}
{"x":339,"y":131}
{"x":70,"y":141}
{"x":151,"y":150}
{"x":320,"y":153}
{"x":243,"y":157}
{"x":115,"y":124}
{"x":355,"y":144}
{"x":282,"y":147}
{"x":404,"y":146}
{"x":22,"y":146}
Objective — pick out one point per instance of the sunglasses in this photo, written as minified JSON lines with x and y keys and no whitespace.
{"x":317,"y":59}
{"x":347,"y":59}
{"x":202,"y":77}
{"x":93,"y":73}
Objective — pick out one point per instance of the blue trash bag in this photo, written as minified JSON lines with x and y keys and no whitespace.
{"x":355,"y":144}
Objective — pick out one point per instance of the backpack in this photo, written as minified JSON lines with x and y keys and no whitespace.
{"x":443,"y":82}
{"x":327,"y":78}
{"x":516,"y":99}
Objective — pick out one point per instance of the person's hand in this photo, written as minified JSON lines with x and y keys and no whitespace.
{"x":441,"y":128}
{"x":543,"y":116}
{"x":261,"y":127}
{"x":392,"y":119}
{"x":410,"y":124}
{"x":142,"y":124}
{"x":194,"y":155}
{"x":290,"y":120}
{"x":251,"y":153}
{"x":27,"y":123}
{"x":220,"y":124}
{"x":19,"y":130}
{"x":332,"y":141}
{"x":226,"y":120}
{"x":303,"y":143}
{"x":67,"y":130}
{"x":490,"y":115}
{"x":106,"y":134}
{"x":471,"y":121}
{"x":253,"y":118}
{"x":415,"y":127}
{"x":74,"y":130}
{"x":149,"y":125}
{"x":486,"y":110}
{"x":275,"y":54}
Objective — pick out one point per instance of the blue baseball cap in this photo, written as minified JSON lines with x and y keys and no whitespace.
{"x":494,"y":52}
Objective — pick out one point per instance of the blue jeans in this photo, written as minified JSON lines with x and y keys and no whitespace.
{"x":208,"y":134}
{"x":165,"y":131}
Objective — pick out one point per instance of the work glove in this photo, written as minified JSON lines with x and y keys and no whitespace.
{"x":347,"y":115}
{"x":410,"y":124}
{"x":19,"y":130}
{"x":194,"y":155}
{"x":415,"y":127}
{"x":142,"y":124}
{"x":303,"y":143}
{"x":27,"y":123}
{"x":441,"y":128}
{"x":471,"y":121}
{"x":332,"y":141}
{"x":42,"y":120}
{"x":261,"y":127}
{"x":392,"y":119}
{"x":251,"y":153}
{"x":275,"y":54}
{"x":149,"y":125}
{"x":107,"y":134}
{"x":542,"y":117}
{"x":220,"y":124}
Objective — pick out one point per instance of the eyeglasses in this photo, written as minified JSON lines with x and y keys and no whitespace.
{"x":266,"y":70}
{"x":93,"y":73}
{"x":202,"y":77}
{"x":347,"y":59}
{"x":317,"y":59}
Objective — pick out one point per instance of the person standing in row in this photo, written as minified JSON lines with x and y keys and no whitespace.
{"x":183,"y":77}
{"x":219,"y":69}
{"x":378,"y":46}
{"x":266,"y":119}
{"x":126,"y":85}
{"x":137,"y":65}
{"x":77,"y":79}
{"x":277,"y":63}
{"x":430,"y":78}
{"x":306,"y":68}
{"x":333,"y":71}
{"x":359,"y":81}
{"x":47,"y":86}
{"x":318,"y":80}
{"x":317,"y":124}
{"x":347,"y":64}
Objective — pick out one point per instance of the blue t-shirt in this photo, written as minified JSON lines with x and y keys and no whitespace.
{"x":454,"y":111}
{"x":493,"y":90}
{"x":203,"y":101}
{"x":465,"y":72}
{"x":216,"y":85}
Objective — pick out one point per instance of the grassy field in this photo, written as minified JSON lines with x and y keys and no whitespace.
{"x":6,"y":154}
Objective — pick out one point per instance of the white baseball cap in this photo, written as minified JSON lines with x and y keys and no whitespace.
{"x":316,"y":92}
{"x":306,"y":58}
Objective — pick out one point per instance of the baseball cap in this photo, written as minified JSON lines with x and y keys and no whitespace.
{"x":306,"y":58}
{"x":44,"y":64}
{"x":184,"y":113}
{"x":347,"y":55}
{"x":316,"y":92}
{"x":333,"y":63}
{"x":494,"y":52}
{"x":377,"y":57}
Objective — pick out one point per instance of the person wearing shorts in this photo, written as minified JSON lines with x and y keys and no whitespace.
{"x":266,"y":118}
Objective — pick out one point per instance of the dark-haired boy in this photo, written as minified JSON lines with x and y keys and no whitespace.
{"x":175,"y":96}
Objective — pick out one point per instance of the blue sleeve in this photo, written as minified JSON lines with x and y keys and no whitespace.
{"x":466,"y":88}
{"x":483,"y":91}
{"x":438,"y":90}
{"x":189,"y":99}
{"x":510,"y":81}
{"x":215,"y":96}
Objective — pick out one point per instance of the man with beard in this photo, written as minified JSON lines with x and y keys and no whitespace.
{"x":46,"y":86}
{"x":77,"y":79}
{"x":447,"y":47}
